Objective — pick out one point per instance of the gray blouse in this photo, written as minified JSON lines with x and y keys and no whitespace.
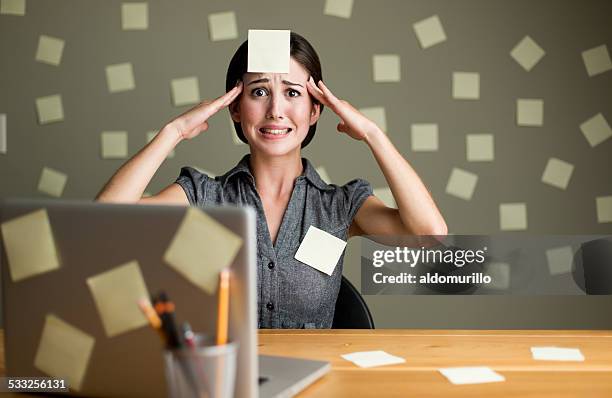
{"x":290,"y":293}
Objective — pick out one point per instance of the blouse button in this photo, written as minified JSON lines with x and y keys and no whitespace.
{"x":270,"y":306}
{"x":271,"y":265}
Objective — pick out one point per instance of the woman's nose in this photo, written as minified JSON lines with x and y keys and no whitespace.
{"x":276,"y":107}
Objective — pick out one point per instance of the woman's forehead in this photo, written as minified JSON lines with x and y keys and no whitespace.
{"x":297,"y":73}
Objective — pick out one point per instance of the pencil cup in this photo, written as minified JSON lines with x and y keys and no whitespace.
{"x":204,"y":371}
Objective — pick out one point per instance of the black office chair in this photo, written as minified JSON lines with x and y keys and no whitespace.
{"x":351,"y":310}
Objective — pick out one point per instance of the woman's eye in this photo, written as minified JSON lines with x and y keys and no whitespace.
{"x":259,"y":92}
{"x":294,"y":93}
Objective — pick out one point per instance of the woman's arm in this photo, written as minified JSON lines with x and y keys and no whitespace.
{"x":416,"y":210}
{"x":129,"y":182}
{"x":417,"y":213}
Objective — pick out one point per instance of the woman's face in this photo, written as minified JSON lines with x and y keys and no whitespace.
{"x":275,"y":110}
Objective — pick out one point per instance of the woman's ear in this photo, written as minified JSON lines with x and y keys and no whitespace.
{"x":315,"y":113}
{"x":234,"y":109}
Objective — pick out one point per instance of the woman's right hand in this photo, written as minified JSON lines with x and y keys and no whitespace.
{"x":191,"y":123}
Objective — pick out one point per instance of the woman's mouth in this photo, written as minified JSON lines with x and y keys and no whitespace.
{"x":274,"y":132}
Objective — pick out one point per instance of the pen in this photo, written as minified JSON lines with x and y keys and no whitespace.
{"x":165,"y":309}
{"x":188,"y":335}
{"x":223,"y":311}
{"x":152,"y":317}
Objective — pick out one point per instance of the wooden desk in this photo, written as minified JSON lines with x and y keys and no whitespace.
{"x":507,"y":352}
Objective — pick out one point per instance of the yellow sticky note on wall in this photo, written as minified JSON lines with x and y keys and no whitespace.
{"x":64,"y":351}
{"x":116,"y":293}
{"x":30,"y":246}
{"x":201,"y":248}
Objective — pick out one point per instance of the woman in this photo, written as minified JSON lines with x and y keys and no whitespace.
{"x":276,"y":114}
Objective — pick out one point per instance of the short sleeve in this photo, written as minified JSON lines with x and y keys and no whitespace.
{"x":355,"y":193}
{"x":194,"y":184}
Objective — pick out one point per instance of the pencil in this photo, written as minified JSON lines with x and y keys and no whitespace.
{"x":223,"y":311}
{"x":152,"y":317}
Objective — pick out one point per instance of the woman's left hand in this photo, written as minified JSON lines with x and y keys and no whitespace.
{"x":352,"y":122}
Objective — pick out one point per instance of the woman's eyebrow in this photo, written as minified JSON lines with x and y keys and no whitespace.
{"x":292,"y":84}
{"x":266,"y":80}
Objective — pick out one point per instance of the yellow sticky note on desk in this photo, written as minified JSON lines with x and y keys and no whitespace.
{"x":201,"y":248}
{"x":116,"y":293}
{"x":29,"y":244}
{"x":64,"y":351}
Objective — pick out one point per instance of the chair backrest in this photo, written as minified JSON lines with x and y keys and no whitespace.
{"x":351,"y":310}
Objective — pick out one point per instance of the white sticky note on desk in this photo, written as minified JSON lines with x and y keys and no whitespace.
{"x":597,"y":60}
{"x":268,"y":51}
{"x":556,"y":354}
{"x":461,"y":183}
{"x":527,"y":53}
{"x":185,"y":91}
{"x":49,"y":50}
{"x":201,"y":248}
{"x":530,"y":112}
{"x":114,"y":144}
{"x":557,"y":173}
{"x":13,"y":7}
{"x":320,"y":250}
{"x":32,"y":256}
{"x":386,"y":68}
{"x":50,"y":109}
{"x":370,"y":359}
{"x":3,"y":133}
{"x":471,"y":375}
{"x":64,"y":351}
{"x":429,"y":31}
{"x":134,"y":16}
{"x":116,"y":293}
{"x":222,"y":26}
{"x":52,"y":182}
{"x":120,"y":77}
{"x":596,"y":130}
{"x":376,"y":114}
{"x":466,"y":85}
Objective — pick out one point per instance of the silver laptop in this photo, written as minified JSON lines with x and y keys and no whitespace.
{"x":94,"y":237}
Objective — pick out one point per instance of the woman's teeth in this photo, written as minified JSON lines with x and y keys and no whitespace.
{"x":274,"y":131}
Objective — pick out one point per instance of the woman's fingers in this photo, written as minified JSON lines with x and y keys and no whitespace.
{"x":228,"y":97}
{"x":194,"y":120}
{"x":207,"y":109}
{"x":316,"y":92}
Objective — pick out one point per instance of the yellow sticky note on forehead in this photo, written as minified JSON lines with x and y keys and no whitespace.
{"x":201,"y":248}
{"x":268,"y":51}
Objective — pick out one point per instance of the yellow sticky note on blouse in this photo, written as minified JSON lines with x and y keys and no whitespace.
{"x":30,"y":247}
{"x":201,"y":248}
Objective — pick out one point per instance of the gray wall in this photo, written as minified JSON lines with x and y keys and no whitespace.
{"x":480,"y":34}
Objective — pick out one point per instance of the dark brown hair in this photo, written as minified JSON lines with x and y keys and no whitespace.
{"x":300,"y":50}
